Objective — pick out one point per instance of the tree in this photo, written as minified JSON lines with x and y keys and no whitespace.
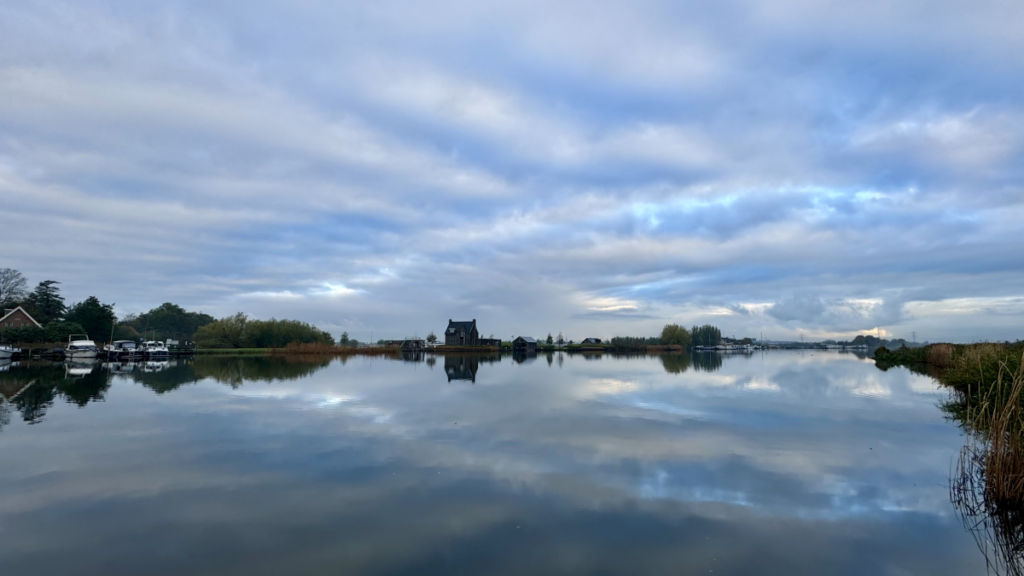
{"x":706,"y":335}
{"x":675,"y":335}
{"x":45,"y":302}
{"x":343,"y":341}
{"x":96,"y":318}
{"x":561,"y":339}
{"x":13,"y":286}
{"x":60,"y":331}
{"x":224,"y":333}
{"x":170,"y":321}
{"x":432,"y":338}
{"x":549,"y":340}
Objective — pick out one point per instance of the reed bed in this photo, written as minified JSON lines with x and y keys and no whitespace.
{"x":987,"y":486}
{"x":322,"y":349}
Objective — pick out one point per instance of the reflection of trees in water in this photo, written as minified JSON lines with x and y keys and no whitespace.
{"x":237,"y":370}
{"x":676,"y":363}
{"x":707,"y":361}
{"x":34,"y":387}
{"x":5,"y":414}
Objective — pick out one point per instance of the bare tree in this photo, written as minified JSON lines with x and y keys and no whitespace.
{"x":13,"y":286}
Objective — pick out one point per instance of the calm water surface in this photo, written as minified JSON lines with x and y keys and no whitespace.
{"x":783,"y":463}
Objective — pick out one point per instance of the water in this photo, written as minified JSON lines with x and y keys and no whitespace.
{"x":781,"y":463}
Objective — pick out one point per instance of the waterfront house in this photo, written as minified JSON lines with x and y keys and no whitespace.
{"x":461,"y":333}
{"x":17,"y":318}
{"x":591,"y":341}
{"x":496,"y":342}
{"x":524,"y":344}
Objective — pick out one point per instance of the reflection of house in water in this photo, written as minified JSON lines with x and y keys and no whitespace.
{"x":412,"y":356}
{"x":466,"y":367}
{"x":461,"y":367}
{"x":11,"y":388}
{"x":522,"y":357}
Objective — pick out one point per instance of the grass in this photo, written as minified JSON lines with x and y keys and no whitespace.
{"x":987,"y":485}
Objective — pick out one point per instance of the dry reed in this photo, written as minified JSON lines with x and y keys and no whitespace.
{"x":987,"y":487}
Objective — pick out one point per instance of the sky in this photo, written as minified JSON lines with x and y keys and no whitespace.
{"x":784,"y":168}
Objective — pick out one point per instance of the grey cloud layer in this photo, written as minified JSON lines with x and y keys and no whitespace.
{"x":544,"y":166}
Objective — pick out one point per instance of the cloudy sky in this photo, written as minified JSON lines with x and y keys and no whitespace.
{"x":600,"y":168}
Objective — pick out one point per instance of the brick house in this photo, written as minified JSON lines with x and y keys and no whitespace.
{"x":17,"y":318}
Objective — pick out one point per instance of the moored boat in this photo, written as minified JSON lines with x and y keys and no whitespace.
{"x":79,"y":346}
{"x":123,"y":350}
{"x":155,"y":350}
{"x":7,"y":352}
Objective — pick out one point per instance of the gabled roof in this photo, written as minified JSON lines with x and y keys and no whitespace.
{"x":454,"y":326}
{"x":527,"y":339}
{"x":29,"y":316}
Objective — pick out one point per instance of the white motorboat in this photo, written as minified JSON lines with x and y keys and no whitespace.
{"x":123,"y":350}
{"x":155,"y":350}
{"x":79,"y":346}
{"x":6,"y":351}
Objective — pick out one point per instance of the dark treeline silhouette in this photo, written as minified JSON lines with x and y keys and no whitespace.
{"x":34,"y":387}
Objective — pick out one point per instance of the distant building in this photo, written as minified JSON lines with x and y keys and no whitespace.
{"x":591,"y":341}
{"x":18,"y":318}
{"x":461,"y":333}
{"x":490,"y":341}
{"x":524,"y":344}
{"x":407,"y":344}
{"x":413,"y":344}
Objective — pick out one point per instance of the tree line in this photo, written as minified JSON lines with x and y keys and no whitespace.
{"x":165,"y":322}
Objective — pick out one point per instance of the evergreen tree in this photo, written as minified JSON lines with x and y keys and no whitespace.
{"x":96,"y":318}
{"x":45,"y":303}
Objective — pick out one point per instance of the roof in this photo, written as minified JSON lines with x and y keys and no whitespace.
{"x":29,"y":316}
{"x":454,"y":326}
{"x":527,"y":339}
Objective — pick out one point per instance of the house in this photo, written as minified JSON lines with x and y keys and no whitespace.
{"x":524,"y":344}
{"x":496,"y":342}
{"x":18,"y":318}
{"x":591,"y":341}
{"x":461,"y":333}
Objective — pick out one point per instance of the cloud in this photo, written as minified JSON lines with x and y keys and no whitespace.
{"x":521,"y":163}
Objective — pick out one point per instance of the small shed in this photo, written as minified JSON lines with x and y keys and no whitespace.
{"x":591,"y":341}
{"x":524,"y":344}
{"x":490,"y":342}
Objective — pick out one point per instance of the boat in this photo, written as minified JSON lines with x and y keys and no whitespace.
{"x":155,"y":350}
{"x":123,"y":350}
{"x":7,"y":351}
{"x":79,"y":346}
